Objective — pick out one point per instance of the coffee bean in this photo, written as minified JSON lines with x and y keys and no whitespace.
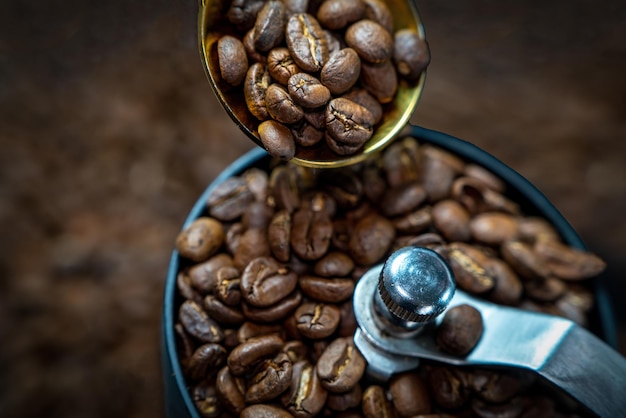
{"x":380,"y":80}
{"x":198,"y":324}
{"x":343,"y":401}
{"x":183,"y":284}
{"x":544,"y":290}
{"x":306,"y":135}
{"x":349,"y":124}
{"x":310,"y":234}
{"x":252,"y":244}
{"x":485,"y":177}
{"x":568,"y":263}
{"x":264,"y":282}
{"x":205,"y":398}
{"x":511,"y":409}
{"x":186,"y":346}
{"x":370,"y":40}
{"x":264,"y":411}
{"x":524,"y":260}
{"x":325,"y":289}
{"x":439,"y":169}
{"x":255,"y":86}
{"x":258,"y":215}
{"x":305,"y":397}
{"x":317,"y":320}
{"x":296,"y":6}
{"x":379,"y":12}
{"x":411,"y":54}
{"x":409,"y":394}
{"x":470,"y":267}
{"x":222,"y":313}
{"x":375,"y":403}
{"x":508,"y":287}
{"x":337,"y":14}
{"x":269,"y":27}
{"x":316,"y":117}
{"x":342,"y":70}
{"x":277,"y":140}
{"x":284,"y":192}
{"x":450,"y":387}
{"x":296,"y":351}
{"x":251,"y":329}
{"x":347,"y":322}
{"x":307,"y":42}
{"x":201,"y":239}
{"x":280,"y":65}
{"x":205,"y":360}
{"x":460,"y":330}
{"x":254,"y":56}
{"x":232,"y":58}
{"x":230,"y":390}
{"x":414,"y":222}
{"x":452,"y":220}
{"x":493,"y":228}
{"x":271,"y":378}
{"x":371,"y":238}
{"x":242,"y":13}
{"x":533,"y":229}
{"x":402,"y":199}
{"x":250,"y":353}
{"x":279,"y":235}
{"x":334,"y":264}
{"x":362,"y":97}
{"x":344,"y":187}
{"x":341,"y":366}
{"x":230,"y":199}
{"x":281,"y":105}
{"x":307,"y":91}
{"x":274,"y":312}
{"x":495,"y":386}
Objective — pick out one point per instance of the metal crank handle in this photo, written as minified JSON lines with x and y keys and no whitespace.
{"x":557,"y":349}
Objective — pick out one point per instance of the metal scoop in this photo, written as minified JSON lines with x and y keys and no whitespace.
{"x":213,"y":24}
{"x":398,"y":304}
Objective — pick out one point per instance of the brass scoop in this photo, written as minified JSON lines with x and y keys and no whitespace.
{"x":213,"y":24}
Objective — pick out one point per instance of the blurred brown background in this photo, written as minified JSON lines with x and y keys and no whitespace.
{"x":109,"y":132}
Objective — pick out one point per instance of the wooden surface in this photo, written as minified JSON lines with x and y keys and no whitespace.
{"x":109,"y":131}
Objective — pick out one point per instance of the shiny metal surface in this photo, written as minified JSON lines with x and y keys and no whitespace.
{"x":563,"y":353}
{"x":212,"y":24}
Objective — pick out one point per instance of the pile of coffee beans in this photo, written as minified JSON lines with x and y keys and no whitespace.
{"x":266,"y":324}
{"x":317,"y":71}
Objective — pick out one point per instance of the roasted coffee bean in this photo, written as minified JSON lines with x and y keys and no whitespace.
{"x":341,"y":366}
{"x":411,"y":54}
{"x":198,"y":324}
{"x":232,"y":58}
{"x":533,"y":229}
{"x":317,"y":320}
{"x":231,"y":339}
{"x":414,"y":222}
{"x":439,"y":169}
{"x":281,"y":106}
{"x":379,"y":12}
{"x":257,"y":181}
{"x":342,"y":70}
{"x":271,"y":378}
{"x":307,"y":91}
{"x":493,"y":228}
{"x":320,"y":201}
{"x":325,"y":289}
{"x":279,"y":235}
{"x":380,"y":80}
{"x":255,"y":86}
{"x":334,"y":264}
{"x":375,"y":403}
{"x":347,"y":323}
{"x":508,"y":287}
{"x":306,"y":135}
{"x":264,"y":282}
{"x":402,"y":162}
{"x":296,"y":351}
{"x":205,"y":360}
{"x":252,"y":244}
{"x":452,"y":220}
{"x":311,"y":233}
{"x":544,"y":290}
{"x":568,"y":263}
{"x":204,"y":396}
{"x":349,"y":124}
{"x":251,"y":330}
{"x":370,"y":40}
{"x":402,"y":199}
{"x":254,"y":56}
{"x":485,"y":177}
{"x":362,"y":97}
{"x":230,"y":199}
{"x":495,"y":386}
{"x":343,"y":401}
{"x":371,"y":238}
{"x":470,"y":267}
{"x":305,"y":397}
{"x":222,"y":313}
{"x":233,"y":237}
{"x":203,"y":276}
{"x":228,"y":286}
{"x":511,"y":409}
{"x":183,"y":284}
{"x":409,"y":394}
{"x":269,"y":27}
{"x":450,"y":387}
{"x":307,"y":42}
{"x":296,"y":6}
{"x":344,"y":187}
{"x":247,"y":355}
{"x":242,"y":13}
{"x":337,"y":14}
{"x":264,"y":411}
{"x":524,"y":260}
{"x":230,"y":390}
{"x":201,"y":239}
{"x":280,"y":65}
{"x":185,"y":345}
{"x":460,"y":330}
{"x":258,"y":215}
{"x":274,"y":312}
{"x":284,"y":192}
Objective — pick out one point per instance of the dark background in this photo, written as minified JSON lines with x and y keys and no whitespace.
{"x":109,"y":132}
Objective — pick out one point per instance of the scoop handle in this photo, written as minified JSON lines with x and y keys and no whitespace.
{"x":559,"y":350}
